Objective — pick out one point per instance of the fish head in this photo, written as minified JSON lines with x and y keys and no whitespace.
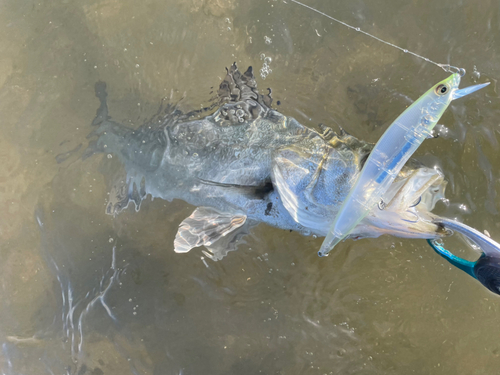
{"x":313,"y":184}
{"x":405,"y":209}
{"x":408,"y":202}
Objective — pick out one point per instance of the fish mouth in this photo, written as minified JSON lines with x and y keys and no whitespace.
{"x":405,"y":210}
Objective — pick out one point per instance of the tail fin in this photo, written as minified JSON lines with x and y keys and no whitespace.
{"x":107,"y":135}
{"x":102,"y":111}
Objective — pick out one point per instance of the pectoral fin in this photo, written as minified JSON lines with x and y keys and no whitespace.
{"x":230,"y":242}
{"x":204,"y":227}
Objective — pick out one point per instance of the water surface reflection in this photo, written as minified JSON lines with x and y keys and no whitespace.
{"x":85,"y":293}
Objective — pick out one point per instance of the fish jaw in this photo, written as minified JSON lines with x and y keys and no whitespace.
{"x":406,"y":208}
{"x":410,"y":224}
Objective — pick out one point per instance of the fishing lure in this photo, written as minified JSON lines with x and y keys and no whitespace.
{"x":395,"y":146}
{"x":390,"y":154}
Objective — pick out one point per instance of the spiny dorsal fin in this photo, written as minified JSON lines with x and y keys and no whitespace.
{"x":326,"y":132}
{"x":343,"y":133}
{"x":242,"y":99}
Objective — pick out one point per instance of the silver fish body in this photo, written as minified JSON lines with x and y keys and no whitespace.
{"x":247,"y":163}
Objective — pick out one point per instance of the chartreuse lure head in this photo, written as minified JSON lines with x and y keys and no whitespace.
{"x":487,"y":268}
{"x":448,"y":88}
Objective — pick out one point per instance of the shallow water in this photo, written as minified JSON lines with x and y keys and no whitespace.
{"x":85,"y":293}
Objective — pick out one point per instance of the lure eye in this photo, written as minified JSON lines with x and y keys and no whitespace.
{"x":441,"y":89}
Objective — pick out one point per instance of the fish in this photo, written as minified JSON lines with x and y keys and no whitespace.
{"x":245,"y":163}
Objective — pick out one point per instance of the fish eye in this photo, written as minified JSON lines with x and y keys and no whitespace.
{"x":441,"y":89}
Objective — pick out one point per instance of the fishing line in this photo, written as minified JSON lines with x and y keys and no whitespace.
{"x":446,"y":67}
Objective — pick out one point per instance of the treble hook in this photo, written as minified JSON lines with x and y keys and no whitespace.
{"x":381,"y":205}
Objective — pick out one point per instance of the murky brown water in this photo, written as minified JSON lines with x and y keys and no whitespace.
{"x":70,"y":304}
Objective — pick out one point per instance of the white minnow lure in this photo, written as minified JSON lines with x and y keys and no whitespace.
{"x":390,"y":154}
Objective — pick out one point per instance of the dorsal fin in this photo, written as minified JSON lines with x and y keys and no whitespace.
{"x":327,"y":132}
{"x":242,"y":100}
{"x":343,"y":133}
